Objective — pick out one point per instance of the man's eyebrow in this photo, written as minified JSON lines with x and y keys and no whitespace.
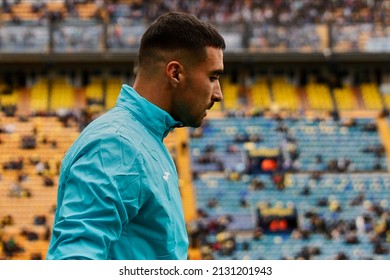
{"x":217,"y":72}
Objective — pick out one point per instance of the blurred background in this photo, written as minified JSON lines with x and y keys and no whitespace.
{"x":293,"y":164}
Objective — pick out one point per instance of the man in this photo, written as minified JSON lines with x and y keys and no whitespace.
{"x":118,"y":195}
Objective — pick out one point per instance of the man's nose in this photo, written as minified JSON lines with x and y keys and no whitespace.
{"x":217,"y":93}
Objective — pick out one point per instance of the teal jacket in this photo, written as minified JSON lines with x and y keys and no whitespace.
{"x":118,"y":193}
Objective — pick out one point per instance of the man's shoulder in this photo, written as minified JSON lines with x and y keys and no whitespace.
{"x":115,"y":122}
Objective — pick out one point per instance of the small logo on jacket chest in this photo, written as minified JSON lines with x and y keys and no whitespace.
{"x":166,"y":175}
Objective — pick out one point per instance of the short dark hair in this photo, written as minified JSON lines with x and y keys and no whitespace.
{"x":179,"y":31}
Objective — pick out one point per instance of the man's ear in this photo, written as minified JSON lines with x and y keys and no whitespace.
{"x":173,"y":72}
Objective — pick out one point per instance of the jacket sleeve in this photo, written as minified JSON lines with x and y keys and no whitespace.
{"x":99,"y":195}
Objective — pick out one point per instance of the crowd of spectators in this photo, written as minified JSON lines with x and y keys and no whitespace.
{"x":287,"y":12}
{"x":367,"y":228}
{"x":284,"y":12}
{"x":369,"y":231}
{"x":214,"y":237}
{"x":11,"y":246}
{"x":220,"y":12}
{"x":22,"y":172}
{"x":268,"y":24}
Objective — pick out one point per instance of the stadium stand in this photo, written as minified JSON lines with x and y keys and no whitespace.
{"x":293,"y":164}
{"x":94,"y":94}
{"x":63,"y":95}
{"x":285,"y":94}
{"x":40,"y":95}
{"x":259,"y":95}
{"x":319,"y":97}
{"x":371,"y":96}
{"x":345,"y":98}
{"x":340,"y":194}
{"x":29,"y":171}
{"x":113,"y":87}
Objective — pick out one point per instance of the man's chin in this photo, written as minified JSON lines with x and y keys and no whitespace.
{"x":197,"y":123}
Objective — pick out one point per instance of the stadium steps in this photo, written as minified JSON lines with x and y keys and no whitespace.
{"x":177,"y":144}
{"x":303,"y":98}
{"x":360,"y":104}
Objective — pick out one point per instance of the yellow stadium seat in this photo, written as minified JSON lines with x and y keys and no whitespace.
{"x":285,"y":94}
{"x":345,"y":98}
{"x":40,"y":95}
{"x":318,"y":96}
{"x":371,"y":96}
{"x":114,"y":86}
{"x":260,"y":95}
{"x":62,"y":95}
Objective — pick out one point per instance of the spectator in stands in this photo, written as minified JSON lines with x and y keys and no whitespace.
{"x":14,"y":164}
{"x":42,"y":168}
{"x":341,"y":256}
{"x":29,"y":234}
{"x":47,"y":234}
{"x":11,"y":247}
{"x":36,"y":256}
{"x":48,"y":181}
{"x":357,"y":200}
{"x":377,"y":165}
{"x":257,"y":233}
{"x":22,"y":177}
{"x":40,"y":220}
{"x":8,"y":128}
{"x":7,"y":220}
{"x":29,"y":142}
{"x":34,"y":159}
{"x":118,"y":179}
{"x":226,"y":243}
{"x":257,"y":184}
{"x":307,"y":253}
{"x":278,"y":180}
{"x":212,"y":203}
{"x":351,"y":237}
{"x":300,"y":234}
{"x":243,"y":199}
{"x":305,"y":190}
{"x":16,"y":190}
{"x":232,"y":148}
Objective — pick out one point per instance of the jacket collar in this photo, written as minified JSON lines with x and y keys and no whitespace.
{"x":158,"y":121}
